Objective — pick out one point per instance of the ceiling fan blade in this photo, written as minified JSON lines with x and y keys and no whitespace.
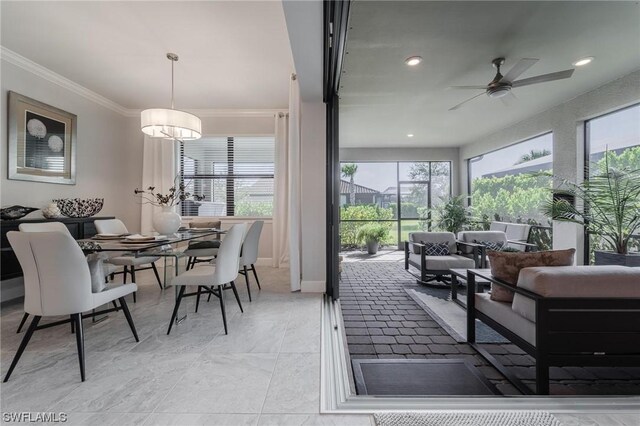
{"x":543,"y":78}
{"x":464,"y":102}
{"x":519,"y":68}
{"x":468,"y":87}
{"x":509,"y":99}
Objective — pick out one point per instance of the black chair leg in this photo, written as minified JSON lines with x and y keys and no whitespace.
{"x":255,"y":274}
{"x":198,"y":297}
{"x":24,"y":319}
{"x":246,"y":279}
{"x":124,"y":275}
{"x":77,"y":318}
{"x":133,"y":280}
{"x":176,"y":307}
{"x":127,"y":315}
{"x":209,"y":298}
{"x":23,"y":345}
{"x":73,"y":324}
{"x":235,"y":292}
{"x":224,"y":314}
{"x":155,"y":271}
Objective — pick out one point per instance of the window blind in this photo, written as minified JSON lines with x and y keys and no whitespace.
{"x":234,"y":174}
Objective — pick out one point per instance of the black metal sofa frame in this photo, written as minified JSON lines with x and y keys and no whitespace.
{"x":441,"y":275}
{"x":569,"y":331}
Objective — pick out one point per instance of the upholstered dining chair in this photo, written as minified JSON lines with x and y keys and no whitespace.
{"x":52,"y":227}
{"x":57,"y":282}
{"x":249,"y":254}
{"x":127,"y":260}
{"x":203,"y":250}
{"x":213,"y":279}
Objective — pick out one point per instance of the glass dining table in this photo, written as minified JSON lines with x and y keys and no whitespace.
{"x":162,"y":246}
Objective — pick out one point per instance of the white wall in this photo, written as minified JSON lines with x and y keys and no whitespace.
{"x":566,"y":121}
{"x":408,"y":154}
{"x":313,"y":223}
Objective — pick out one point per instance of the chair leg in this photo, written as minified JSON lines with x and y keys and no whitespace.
{"x":23,"y":345}
{"x":209,"y":298}
{"x":255,"y":274}
{"x":224,"y":314}
{"x":246,"y":279}
{"x":77,"y":318}
{"x":198,"y":297}
{"x":176,"y":307}
{"x":124,"y":275}
{"x":73,"y":324}
{"x":127,"y":315}
{"x":24,"y":319}
{"x":235,"y":292}
{"x":133,"y":280}
{"x":155,"y":271}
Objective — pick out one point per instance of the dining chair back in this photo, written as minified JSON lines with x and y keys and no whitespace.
{"x":249,"y":255}
{"x":44,"y":227}
{"x":110,"y":226}
{"x":228,"y":261}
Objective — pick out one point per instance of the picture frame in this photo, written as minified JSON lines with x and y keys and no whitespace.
{"x":42,"y":142}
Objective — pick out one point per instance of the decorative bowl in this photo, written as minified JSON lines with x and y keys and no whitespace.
{"x":79,"y":207}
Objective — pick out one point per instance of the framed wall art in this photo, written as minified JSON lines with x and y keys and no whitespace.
{"x":42,"y":142}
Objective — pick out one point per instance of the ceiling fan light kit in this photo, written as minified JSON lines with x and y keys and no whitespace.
{"x":170,"y":123}
{"x":412,"y":61}
{"x":583,"y":61}
{"x":501,"y":86}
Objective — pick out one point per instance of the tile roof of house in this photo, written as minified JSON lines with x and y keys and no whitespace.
{"x":344,"y":188}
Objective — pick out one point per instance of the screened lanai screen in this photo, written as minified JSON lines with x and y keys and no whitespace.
{"x":234,"y":174}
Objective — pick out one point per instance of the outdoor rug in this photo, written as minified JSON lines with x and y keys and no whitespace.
{"x":502,"y":418}
{"x":420,"y":377}
{"x":453,"y":318}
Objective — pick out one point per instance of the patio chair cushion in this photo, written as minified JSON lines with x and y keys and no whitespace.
{"x":481,"y":236}
{"x":503,"y":314}
{"x":433,"y":237}
{"x":436,"y":249}
{"x":498,"y":226}
{"x":443,"y":263}
{"x":575,"y":281}
{"x":517,"y":231}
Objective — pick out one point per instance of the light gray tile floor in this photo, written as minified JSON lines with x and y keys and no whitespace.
{"x":268,"y":363}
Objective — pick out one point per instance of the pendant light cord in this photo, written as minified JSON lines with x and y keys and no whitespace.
{"x":172,"y":62}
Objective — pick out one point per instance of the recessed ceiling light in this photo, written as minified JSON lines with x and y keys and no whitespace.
{"x":410,"y":135}
{"x":413,"y":61}
{"x":583,"y":61}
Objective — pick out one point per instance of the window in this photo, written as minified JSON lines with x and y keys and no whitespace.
{"x":510,"y":184}
{"x":397,"y":195}
{"x":234,"y":174}
{"x":616,"y":136}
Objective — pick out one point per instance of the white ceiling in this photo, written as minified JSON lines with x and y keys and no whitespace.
{"x":383,"y":100}
{"x":233,"y":54}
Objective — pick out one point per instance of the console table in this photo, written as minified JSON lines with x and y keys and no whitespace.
{"x":79,"y":228}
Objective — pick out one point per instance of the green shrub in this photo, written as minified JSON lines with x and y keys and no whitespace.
{"x":349,"y":230}
{"x":375,"y":232}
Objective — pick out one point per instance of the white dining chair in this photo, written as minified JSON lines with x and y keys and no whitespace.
{"x":249,"y":255}
{"x":57,"y":282}
{"x":214,"y":279}
{"x":130,"y":262}
{"x":52,"y":227}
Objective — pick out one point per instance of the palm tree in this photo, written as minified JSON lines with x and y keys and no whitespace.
{"x":349,"y":171}
{"x":533,"y":154}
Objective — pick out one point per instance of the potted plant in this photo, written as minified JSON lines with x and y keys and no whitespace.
{"x":611,"y":200}
{"x":451,"y":215}
{"x":373,"y":234}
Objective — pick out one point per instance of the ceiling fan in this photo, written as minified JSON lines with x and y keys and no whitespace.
{"x":501,"y":85}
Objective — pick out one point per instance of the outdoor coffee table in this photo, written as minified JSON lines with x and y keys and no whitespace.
{"x":461,"y":274}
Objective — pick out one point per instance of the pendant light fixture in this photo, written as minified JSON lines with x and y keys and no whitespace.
{"x":170,"y":123}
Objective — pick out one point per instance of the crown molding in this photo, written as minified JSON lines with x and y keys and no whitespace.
{"x":45,"y":73}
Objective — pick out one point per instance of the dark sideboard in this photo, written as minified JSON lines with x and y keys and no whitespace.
{"x":79,"y":228}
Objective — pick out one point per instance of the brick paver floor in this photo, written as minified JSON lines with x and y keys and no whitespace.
{"x":382,"y":321}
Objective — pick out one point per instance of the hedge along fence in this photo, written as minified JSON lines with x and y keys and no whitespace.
{"x":364,"y":214}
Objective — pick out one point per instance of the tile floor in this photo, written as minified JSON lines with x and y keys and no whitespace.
{"x":265,"y":372}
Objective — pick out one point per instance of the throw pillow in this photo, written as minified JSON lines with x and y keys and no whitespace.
{"x":436,"y":249}
{"x":491,"y":245}
{"x":506,"y":266}
{"x":212,"y":224}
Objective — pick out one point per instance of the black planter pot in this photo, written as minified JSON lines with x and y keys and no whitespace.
{"x":612,"y":258}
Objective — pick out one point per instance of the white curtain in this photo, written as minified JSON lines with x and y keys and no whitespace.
{"x":286,"y":212}
{"x":159,"y":171}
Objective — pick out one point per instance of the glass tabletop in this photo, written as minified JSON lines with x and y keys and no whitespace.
{"x":96,"y":244}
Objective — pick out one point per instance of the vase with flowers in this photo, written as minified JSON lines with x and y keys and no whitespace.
{"x":167,"y":221}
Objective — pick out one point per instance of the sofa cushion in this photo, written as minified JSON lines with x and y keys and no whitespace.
{"x":502,"y":313}
{"x":443,"y":263}
{"x":433,"y":237}
{"x":498,"y":226}
{"x":575,"y":281}
{"x":517,"y":231}
{"x":473,"y":236}
{"x":507,"y":265}
{"x":436,"y":249}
